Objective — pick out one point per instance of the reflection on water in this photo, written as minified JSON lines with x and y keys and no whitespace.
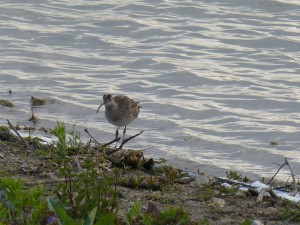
{"x":217,"y":80}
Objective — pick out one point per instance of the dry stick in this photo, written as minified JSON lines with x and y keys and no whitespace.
{"x":276,"y":173}
{"x":125,"y":141}
{"x":115,"y":140}
{"x":286,"y":162}
{"x":292,"y":173}
{"x":86,"y":131}
{"x":270,"y":191}
{"x":12,"y":127}
{"x":128,"y":139}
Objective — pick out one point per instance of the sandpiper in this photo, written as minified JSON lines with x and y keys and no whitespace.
{"x":120,"y":111}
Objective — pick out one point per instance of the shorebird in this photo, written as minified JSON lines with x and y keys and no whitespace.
{"x":120,"y":111}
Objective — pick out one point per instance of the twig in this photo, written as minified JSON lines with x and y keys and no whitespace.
{"x":109,"y":143}
{"x":292,"y":173}
{"x":12,"y":127}
{"x":86,"y":131}
{"x":286,"y":162}
{"x":125,"y":141}
{"x":276,"y":173}
{"x":128,"y":139}
{"x":104,"y":145}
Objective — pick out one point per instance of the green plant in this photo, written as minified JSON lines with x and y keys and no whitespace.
{"x":81,"y":193}
{"x":60,"y":132}
{"x":152,"y":180}
{"x":74,"y":139}
{"x":134,"y":213}
{"x":170,"y":215}
{"x":234,"y":175}
{"x":247,"y":222}
{"x":171,"y":173}
{"x":291,"y":212}
{"x":65,"y":219}
{"x":18,"y":206}
{"x":161,"y":160}
{"x":136,"y":181}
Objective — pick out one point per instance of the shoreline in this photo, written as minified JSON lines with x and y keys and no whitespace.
{"x":206,"y":201}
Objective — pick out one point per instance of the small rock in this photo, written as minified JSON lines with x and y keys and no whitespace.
{"x":227,"y":185}
{"x":216,"y":192}
{"x":270,"y":211}
{"x":152,"y":209}
{"x":240,"y":193}
{"x":185,"y":180}
{"x":219,"y":202}
{"x":203,"y":180}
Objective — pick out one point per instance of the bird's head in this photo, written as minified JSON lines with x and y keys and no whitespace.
{"x":107,"y":99}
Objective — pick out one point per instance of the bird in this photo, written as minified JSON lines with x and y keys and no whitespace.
{"x":120,"y":111}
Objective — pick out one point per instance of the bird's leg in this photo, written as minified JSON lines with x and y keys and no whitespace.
{"x":124,"y":131}
{"x":117,"y":135}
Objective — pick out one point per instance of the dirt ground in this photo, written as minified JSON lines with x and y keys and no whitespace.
{"x":206,"y":202}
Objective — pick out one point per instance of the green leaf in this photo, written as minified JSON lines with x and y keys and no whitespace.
{"x":91,"y":217}
{"x":63,"y":218}
{"x":134,"y":212}
{"x":106,"y":219}
{"x":246,"y":222}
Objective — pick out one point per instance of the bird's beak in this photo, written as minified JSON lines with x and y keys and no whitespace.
{"x":100,"y":107}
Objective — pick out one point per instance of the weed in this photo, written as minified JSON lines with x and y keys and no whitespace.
{"x":234,"y":175}
{"x":152,"y":180}
{"x":292,"y":212}
{"x":21,"y":207}
{"x":60,"y":132}
{"x":134,"y":213}
{"x":171,"y":174}
{"x":170,"y":215}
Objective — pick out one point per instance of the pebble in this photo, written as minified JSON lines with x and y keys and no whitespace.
{"x":203,"y":180}
{"x":219,"y":202}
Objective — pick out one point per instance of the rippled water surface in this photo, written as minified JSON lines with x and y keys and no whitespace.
{"x":217,"y":80}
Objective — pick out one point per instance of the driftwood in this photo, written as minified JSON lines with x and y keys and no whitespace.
{"x":286,"y":162}
{"x":267,"y":190}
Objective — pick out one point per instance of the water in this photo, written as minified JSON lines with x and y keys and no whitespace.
{"x":217,"y":80}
